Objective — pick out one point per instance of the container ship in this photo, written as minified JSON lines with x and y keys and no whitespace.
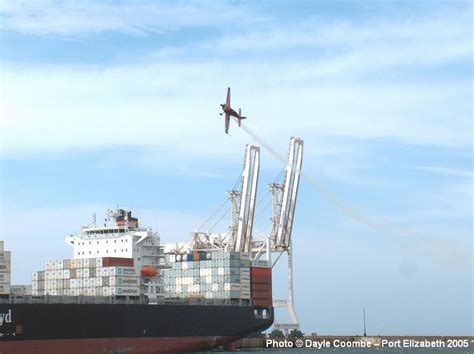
{"x":123,"y":291}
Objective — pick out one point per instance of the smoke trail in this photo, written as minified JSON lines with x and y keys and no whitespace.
{"x":437,"y":249}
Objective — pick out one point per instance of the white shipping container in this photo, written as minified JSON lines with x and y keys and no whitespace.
{"x":122,"y":271}
{"x":79,"y":263}
{"x":244,"y":295}
{"x":4,"y":288}
{"x":86,"y":262}
{"x":85,"y":282}
{"x":20,"y":289}
{"x":85,"y":273}
{"x":66,"y":274}
{"x":5,"y":256}
{"x":98,"y":262}
{"x":5,"y":267}
{"x":125,"y":291}
{"x":244,"y":278}
{"x":5,"y":278}
{"x":125,"y":281}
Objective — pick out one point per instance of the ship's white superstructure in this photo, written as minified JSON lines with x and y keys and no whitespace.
{"x":123,"y":238}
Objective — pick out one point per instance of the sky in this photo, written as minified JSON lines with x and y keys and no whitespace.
{"x":106,"y":103}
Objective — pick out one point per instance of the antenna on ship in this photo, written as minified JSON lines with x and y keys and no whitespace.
{"x":363,"y":311}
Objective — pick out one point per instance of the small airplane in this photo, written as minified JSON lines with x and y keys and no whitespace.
{"x":228,"y":111}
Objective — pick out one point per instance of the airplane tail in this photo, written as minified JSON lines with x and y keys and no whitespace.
{"x":240,"y":116}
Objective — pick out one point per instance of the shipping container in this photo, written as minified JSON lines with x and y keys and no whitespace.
{"x":5,"y":256}
{"x":5,"y":278}
{"x":4,"y":288}
{"x":261,"y":279}
{"x":117,"y":262}
{"x":72,"y":264}
{"x":260,"y":271}
{"x":125,"y":291}
{"x":20,"y":289}
{"x":261,"y":294}
{"x":124,"y":281}
{"x":5,"y":267}
{"x":122,"y":271}
{"x":262,"y":303}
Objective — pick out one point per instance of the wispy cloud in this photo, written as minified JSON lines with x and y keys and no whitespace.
{"x":72,"y":18}
{"x":358,"y":80}
{"x":447,"y":171}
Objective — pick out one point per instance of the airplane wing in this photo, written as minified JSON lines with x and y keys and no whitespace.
{"x":227,"y":121}
{"x":227,"y":102}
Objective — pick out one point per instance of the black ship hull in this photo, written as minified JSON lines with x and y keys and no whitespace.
{"x":124,"y":328}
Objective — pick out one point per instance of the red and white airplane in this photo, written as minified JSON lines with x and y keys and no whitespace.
{"x":228,"y":112}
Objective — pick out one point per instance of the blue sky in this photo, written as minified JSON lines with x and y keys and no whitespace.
{"x":106,"y":103}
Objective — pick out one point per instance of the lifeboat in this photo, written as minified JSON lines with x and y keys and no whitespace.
{"x":149,"y":271}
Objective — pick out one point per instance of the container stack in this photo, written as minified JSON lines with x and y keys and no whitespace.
{"x":20,"y":289}
{"x":106,"y":276}
{"x":261,"y":282}
{"x":5,"y":270}
{"x":210,"y":275}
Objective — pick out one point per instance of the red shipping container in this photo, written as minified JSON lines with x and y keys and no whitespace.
{"x":262,"y":303}
{"x":261,"y":294}
{"x":261,"y":287}
{"x":261,"y":271}
{"x":261,"y":279}
{"x":195,"y":256}
{"x":117,"y":262}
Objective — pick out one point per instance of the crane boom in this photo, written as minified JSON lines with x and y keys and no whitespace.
{"x":248,"y":194}
{"x":287,"y":200}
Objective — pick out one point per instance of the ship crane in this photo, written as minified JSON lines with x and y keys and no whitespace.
{"x":279,"y":240}
{"x":239,"y":237}
{"x":242,"y":217}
